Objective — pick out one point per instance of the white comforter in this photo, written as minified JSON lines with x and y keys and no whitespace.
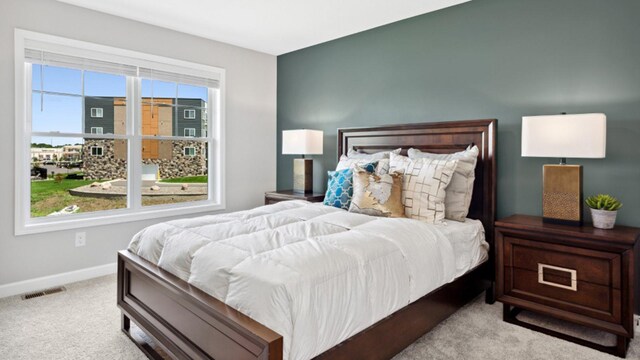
{"x":313,"y":273}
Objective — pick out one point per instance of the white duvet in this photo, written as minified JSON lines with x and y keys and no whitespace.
{"x":313,"y":273}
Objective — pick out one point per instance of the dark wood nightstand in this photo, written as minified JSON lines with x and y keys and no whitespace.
{"x":575,"y":273}
{"x":273,"y":197}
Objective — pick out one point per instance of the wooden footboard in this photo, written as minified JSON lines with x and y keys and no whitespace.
{"x":186,"y":322}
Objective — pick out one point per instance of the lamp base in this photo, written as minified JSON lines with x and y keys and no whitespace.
{"x":562,"y":194}
{"x":302,"y":175}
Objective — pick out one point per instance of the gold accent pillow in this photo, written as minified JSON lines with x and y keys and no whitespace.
{"x":377,"y":195}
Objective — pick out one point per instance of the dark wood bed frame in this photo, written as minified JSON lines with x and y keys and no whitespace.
{"x":187,"y":323}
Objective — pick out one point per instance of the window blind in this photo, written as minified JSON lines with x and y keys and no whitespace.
{"x":153,"y":74}
{"x":53,"y":59}
{"x":43,"y":57}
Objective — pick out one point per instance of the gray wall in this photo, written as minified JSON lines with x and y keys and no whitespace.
{"x":182,"y":123}
{"x":250,"y":114}
{"x":106,"y":122}
{"x":483,"y":59}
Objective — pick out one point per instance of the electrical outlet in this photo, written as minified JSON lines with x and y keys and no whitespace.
{"x":81,"y":239}
{"x":636,"y":324}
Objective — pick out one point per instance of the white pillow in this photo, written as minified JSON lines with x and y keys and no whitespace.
{"x":353,"y":154}
{"x":354,"y":158}
{"x":460,"y":190}
{"x":423,"y":186}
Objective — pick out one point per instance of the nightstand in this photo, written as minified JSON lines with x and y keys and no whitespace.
{"x":273,"y":197}
{"x":574,"y":273}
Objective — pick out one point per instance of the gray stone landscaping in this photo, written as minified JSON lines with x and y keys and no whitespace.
{"x":172,"y":163}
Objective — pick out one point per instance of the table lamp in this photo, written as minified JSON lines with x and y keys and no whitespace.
{"x":302,"y":142}
{"x":563,"y":136}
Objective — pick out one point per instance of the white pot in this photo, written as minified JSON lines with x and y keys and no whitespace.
{"x":603,"y":219}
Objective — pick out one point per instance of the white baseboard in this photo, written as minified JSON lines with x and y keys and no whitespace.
{"x":45,"y":282}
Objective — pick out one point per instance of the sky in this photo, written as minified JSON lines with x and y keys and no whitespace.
{"x":63,"y":113}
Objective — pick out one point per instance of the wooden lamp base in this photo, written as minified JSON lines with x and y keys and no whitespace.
{"x":302,"y":175}
{"x":562,"y":194}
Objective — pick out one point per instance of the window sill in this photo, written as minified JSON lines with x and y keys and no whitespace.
{"x":110,"y":217}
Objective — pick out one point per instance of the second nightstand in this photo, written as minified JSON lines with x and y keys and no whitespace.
{"x":273,"y":197}
{"x":574,"y":273}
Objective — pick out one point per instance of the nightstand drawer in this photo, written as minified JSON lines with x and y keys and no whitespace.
{"x":567,"y":264}
{"x":578,"y":274}
{"x":559,"y":292}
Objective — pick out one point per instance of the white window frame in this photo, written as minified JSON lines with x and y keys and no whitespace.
{"x":99,"y":113}
{"x":216,"y":201}
{"x":97,"y":130}
{"x":97,"y":147}
{"x":184,"y":151}
{"x":191,"y":132}
{"x":190,"y":111}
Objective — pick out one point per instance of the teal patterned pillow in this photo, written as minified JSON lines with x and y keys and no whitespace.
{"x":340,"y":186}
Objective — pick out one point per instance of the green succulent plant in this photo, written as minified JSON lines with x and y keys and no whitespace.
{"x":603,"y":202}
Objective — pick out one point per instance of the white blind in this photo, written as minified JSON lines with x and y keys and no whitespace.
{"x":153,"y":74}
{"x":43,"y":57}
{"x":49,"y":58}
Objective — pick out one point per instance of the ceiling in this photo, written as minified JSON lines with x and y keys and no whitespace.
{"x":271,"y":26}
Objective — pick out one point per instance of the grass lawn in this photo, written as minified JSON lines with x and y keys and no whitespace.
{"x":188,"y":179}
{"x":40,"y":190}
{"x":48,"y":196}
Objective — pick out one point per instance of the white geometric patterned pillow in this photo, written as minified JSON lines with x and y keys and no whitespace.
{"x":424,"y":185}
{"x":460,"y":190}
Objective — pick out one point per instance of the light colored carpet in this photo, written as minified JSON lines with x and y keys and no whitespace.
{"x":84,"y":323}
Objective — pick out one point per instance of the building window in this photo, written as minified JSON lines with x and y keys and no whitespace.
{"x":190,"y":114}
{"x":189,"y":151}
{"x":96,"y":150}
{"x":96,"y":112}
{"x":62,"y":87}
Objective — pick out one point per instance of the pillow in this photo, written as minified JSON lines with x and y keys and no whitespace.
{"x":377,"y":195}
{"x":353,"y":154}
{"x":340,"y":186}
{"x":423,"y":186}
{"x":382,"y":166}
{"x":460,"y":190}
{"x":354,"y":158}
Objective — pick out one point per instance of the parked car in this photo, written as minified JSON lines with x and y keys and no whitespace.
{"x":38,"y":172}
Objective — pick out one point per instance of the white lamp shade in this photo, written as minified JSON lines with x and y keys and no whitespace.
{"x":564,"y":136}
{"x":302,"y":142}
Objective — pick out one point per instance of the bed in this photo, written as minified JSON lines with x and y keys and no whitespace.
{"x":187,"y":321}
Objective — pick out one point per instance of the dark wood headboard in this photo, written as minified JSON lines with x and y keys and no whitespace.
{"x":440,"y":137}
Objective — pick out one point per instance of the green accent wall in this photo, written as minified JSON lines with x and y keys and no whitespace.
{"x":483,"y":59}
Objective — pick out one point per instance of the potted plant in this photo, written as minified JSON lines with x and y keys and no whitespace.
{"x":604,"y":209}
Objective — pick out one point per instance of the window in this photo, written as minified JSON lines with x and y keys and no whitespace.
{"x":96,"y":112}
{"x":189,"y":151}
{"x":135,"y":133}
{"x":96,"y":151}
{"x":190,"y":114}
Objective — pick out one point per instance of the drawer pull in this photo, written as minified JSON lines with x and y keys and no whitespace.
{"x":574,"y":276}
